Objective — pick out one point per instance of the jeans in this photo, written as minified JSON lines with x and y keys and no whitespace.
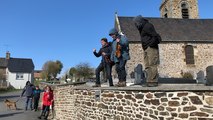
{"x":151,"y":62}
{"x":29,"y":100}
{"x":36,"y":101}
{"x":108,"y":70}
{"x":45,"y":111}
{"x":120,"y":68}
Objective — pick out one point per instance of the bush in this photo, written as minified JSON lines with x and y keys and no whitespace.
{"x":187,"y":75}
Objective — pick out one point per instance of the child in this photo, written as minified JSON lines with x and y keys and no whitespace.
{"x":36,"y":97}
{"x":47,"y":100}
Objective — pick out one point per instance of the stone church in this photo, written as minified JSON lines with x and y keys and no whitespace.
{"x":187,"y":41}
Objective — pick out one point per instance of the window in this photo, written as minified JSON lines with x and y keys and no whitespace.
{"x":19,"y":76}
{"x":165,"y":11}
{"x":185,"y":10}
{"x":189,"y":52}
{"x":165,"y":15}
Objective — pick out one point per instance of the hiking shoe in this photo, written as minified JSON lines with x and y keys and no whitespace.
{"x":154,"y":84}
{"x":120,"y":84}
{"x":96,"y":85}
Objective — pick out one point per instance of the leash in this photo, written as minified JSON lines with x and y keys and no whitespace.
{"x":18,"y":99}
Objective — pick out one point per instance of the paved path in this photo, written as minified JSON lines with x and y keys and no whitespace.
{"x":19,"y":114}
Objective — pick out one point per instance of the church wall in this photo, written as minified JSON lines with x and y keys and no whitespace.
{"x":136,"y":55}
{"x":172,"y":59}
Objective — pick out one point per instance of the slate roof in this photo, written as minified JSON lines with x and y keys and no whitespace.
{"x":21,"y":65}
{"x":171,"y":29}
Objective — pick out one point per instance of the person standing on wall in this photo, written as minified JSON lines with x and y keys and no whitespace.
{"x":120,"y":55}
{"x":106,"y":63}
{"x":150,"y":40}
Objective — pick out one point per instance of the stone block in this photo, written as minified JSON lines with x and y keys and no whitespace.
{"x":161,"y":108}
{"x":182,"y":94}
{"x":210,"y":111}
{"x":199,"y":114}
{"x":119,"y":96}
{"x":173,"y":103}
{"x":170,"y":109}
{"x":120,"y":108}
{"x":189,"y":108}
{"x":164,"y":100}
{"x":155,"y":101}
{"x":139,"y":96}
{"x":183,"y":115}
{"x":108,"y":95}
{"x":149,"y":95}
{"x":195,"y":100}
{"x":159,"y":95}
{"x":209,"y":100}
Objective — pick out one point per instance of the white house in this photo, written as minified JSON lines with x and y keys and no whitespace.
{"x":17,"y":71}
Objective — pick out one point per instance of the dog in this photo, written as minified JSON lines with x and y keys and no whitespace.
{"x":10,"y":104}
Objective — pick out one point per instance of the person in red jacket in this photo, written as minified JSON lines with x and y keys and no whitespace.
{"x":47,"y":100}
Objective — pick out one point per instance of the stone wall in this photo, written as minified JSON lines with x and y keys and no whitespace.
{"x":172,"y":55}
{"x":83,"y":103}
{"x":136,"y":55}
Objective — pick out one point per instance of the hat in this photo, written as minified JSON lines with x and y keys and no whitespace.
{"x":113,"y":31}
{"x":104,"y":39}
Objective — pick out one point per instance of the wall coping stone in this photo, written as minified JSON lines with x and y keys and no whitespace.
{"x":160,"y":87}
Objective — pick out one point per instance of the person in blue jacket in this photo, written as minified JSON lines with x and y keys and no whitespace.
{"x":36,"y":97}
{"x":119,"y":55}
{"x":28,"y":91}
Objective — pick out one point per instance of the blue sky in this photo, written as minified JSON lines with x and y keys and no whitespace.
{"x":67,"y":30}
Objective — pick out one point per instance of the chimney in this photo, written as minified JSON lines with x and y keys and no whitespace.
{"x":7,"y":55}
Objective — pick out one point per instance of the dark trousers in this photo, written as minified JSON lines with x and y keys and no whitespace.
{"x":120,"y":68}
{"x":28,"y":100}
{"x":45,"y":111}
{"x":45,"y":108}
{"x":36,"y":101}
{"x":108,"y":70}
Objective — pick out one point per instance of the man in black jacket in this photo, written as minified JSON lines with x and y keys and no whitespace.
{"x":150,"y":40}
{"x":106,"y":63}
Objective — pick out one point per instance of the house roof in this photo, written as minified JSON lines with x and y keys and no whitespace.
{"x":18,"y":64}
{"x":171,"y":29}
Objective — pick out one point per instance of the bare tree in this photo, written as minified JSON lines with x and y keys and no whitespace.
{"x":84,"y":70}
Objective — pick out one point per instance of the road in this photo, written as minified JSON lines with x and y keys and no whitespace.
{"x":20,"y":113}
